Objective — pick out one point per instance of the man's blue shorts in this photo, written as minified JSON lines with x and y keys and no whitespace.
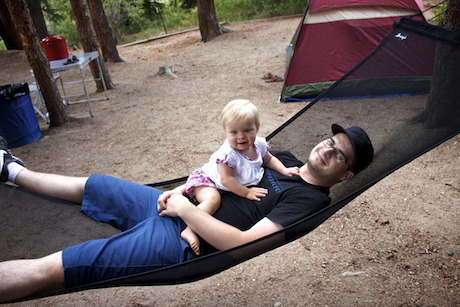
{"x":148,"y":241}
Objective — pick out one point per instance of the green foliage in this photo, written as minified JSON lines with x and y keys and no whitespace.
{"x":176,"y":19}
{"x":2,"y":45}
{"x":60,"y":19}
{"x":67,"y":29}
{"x":240,"y":10}
{"x":126,"y":16}
{"x":186,"y":4}
{"x":54,"y":8}
{"x":440,"y":13}
{"x":133,"y":20}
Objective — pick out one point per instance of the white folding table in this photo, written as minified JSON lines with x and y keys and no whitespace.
{"x":84,"y":59}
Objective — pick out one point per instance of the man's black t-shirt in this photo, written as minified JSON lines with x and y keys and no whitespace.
{"x":289,"y":199}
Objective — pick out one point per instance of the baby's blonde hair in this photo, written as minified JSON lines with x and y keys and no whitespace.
{"x":238,"y":110}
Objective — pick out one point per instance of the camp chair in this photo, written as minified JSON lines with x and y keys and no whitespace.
{"x":401,"y":138}
{"x":39,"y":103}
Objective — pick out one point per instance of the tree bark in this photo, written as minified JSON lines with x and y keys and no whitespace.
{"x":103,"y":32}
{"x":9,"y":33}
{"x":89,"y":43}
{"x":452,"y":19}
{"x":38,"y":61}
{"x":35,"y":9}
{"x":442,"y":108}
{"x":207,"y":18}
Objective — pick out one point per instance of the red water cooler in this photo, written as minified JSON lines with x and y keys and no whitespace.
{"x":55,"y":47}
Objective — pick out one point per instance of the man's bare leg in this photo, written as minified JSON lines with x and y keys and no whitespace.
{"x":21,"y":278}
{"x":62,"y":187}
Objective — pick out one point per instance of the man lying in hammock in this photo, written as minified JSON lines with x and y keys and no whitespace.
{"x":151,"y":240}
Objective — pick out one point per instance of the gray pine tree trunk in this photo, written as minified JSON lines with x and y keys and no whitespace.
{"x":89,"y":42}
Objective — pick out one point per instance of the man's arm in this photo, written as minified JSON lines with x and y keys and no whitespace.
{"x":180,"y":190}
{"x":217,"y":233}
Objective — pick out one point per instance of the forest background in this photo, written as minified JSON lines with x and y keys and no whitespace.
{"x":133,"y":20}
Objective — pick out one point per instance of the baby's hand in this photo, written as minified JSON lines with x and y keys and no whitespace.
{"x":291,"y":171}
{"x":255,"y":193}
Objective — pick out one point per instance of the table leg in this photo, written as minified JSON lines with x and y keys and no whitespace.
{"x":86,"y":91}
{"x":102,"y":77}
{"x":66,"y":102}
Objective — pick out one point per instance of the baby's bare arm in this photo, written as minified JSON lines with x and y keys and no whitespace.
{"x":275,"y":164}
{"x":226,"y":176}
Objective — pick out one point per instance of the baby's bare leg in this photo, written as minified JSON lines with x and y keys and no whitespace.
{"x":209,"y":201}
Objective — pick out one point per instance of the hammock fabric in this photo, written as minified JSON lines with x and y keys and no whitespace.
{"x":34,"y":225}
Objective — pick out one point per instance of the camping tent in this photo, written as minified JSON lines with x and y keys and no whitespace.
{"x":333,"y":36}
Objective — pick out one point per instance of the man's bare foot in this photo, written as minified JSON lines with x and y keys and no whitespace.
{"x":192,"y":239}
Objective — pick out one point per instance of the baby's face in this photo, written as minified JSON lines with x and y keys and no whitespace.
{"x":242,"y":135}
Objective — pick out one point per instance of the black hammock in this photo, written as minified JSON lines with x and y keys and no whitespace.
{"x":407,"y":127}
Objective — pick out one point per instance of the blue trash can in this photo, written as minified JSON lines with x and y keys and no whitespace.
{"x":18,"y":123}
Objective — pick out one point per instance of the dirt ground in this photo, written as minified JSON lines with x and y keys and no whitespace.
{"x":397,"y":244}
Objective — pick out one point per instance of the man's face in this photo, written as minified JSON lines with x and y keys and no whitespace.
{"x":323,"y":166}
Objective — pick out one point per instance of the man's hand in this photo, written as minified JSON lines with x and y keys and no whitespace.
{"x":255,"y":193}
{"x":173,"y":205}
{"x":161,"y":204}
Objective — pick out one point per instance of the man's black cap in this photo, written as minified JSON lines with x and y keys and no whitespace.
{"x":362,"y":146}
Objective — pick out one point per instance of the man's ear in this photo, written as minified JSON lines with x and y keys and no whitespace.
{"x":347,"y":175}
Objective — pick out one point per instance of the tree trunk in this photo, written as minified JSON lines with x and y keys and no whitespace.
{"x":207,"y":17}
{"x":103,"y":32}
{"x":452,"y":19}
{"x":36,"y":13}
{"x":9,"y":33}
{"x":442,"y":108}
{"x":38,"y":61}
{"x":89,"y":43}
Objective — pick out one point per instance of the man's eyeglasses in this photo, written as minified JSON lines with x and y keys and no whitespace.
{"x":337,"y":154}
